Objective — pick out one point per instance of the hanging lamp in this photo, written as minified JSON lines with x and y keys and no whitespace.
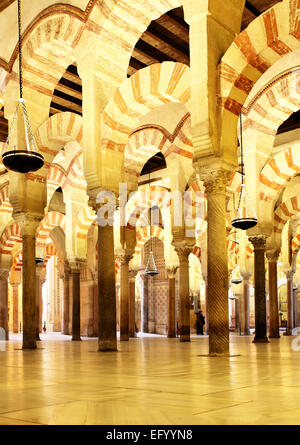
{"x":245,"y":216}
{"x":236,"y":277}
{"x":39,"y":260}
{"x":151,"y":268}
{"x":22,"y":159}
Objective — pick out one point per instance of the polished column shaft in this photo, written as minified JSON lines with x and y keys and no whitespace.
{"x":259,"y":244}
{"x":4,"y":302}
{"x":171,"y":302}
{"x":66,"y":302}
{"x":273,"y":295}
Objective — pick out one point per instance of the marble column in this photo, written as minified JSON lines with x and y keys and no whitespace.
{"x":106,"y":289}
{"x":171,"y":271}
{"x":95,"y":325}
{"x":124,"y":295}
{"x":66,"y":302}
{"x":206,"y":307}
{"x":246,"y":303}
{"x":4,"y":302}
{"x":15,"y":288}
{"x":183,"y":252}
{"x":272,"y":257}
{"x":215,"y":183}
{"x":144,"y":302}
{"x":75,"y":267}
{"x":290,"y":305}
{"x":259,"y":244}
{"x":132,"y":277}
{"x":28,"y":224}
{"x":38,"y":271}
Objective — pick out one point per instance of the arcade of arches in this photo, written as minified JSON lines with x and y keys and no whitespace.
{"x":145,"y":96}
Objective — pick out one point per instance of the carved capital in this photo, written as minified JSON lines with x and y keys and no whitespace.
{"x":133,"y":273}
{"x":272,"y":255}
{"x":28,"y":223}
{"x":183,"y":251}
{"x":258,"y":241}
{"x":76,"y":264}
{"x":123,"y":257}
{"x":289,"y":274}
{"x":215,"y":181}
{"x":246,"y":275}
{"x":171,"y":271}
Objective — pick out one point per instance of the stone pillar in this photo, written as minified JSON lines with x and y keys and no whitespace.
{"x":144,"y":303}
{"x":272,"y":257}
{"x":206,"y":307}
{"x":171,"y":301}
{"x":75,"y":267}
{"x":290,"y":305}
{"x":132,"y":276}
{"x":95,"y":307}
{"x":38,"y":271}
{"x":259,"y":244}
{"x":15,"y":288}
{"x":4,"y":302}
{"x":106,"y":289}
{"x":124,"y":295}
{"x":66,"y":303}
{"x":28,"y":224}
{"x":215,"y":183}
{"x":183,"y":252}
{"x":246,"y":304}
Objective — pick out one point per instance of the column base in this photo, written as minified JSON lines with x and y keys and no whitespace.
{"x":172,"y":335}
{"x":107,"y":345}
{"x":124,"y":337}
{"x":274,"y":336}
{"x":29,"y":345}
{"x":260,"y":340}
{"x":218,"y":354}
{"x":288,"y":333}
{"x":76,"y":338}
{"x":185,"y":338}
{"x":247,"y":332}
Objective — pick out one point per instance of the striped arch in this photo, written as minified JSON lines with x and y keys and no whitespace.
{"x":5,"y":205}
{"x":139,"y":204}
{"x":18,"y":261}
{"x":50,"y":251}
{"x":279,"y":169}
{"x":284,"y":212}
{"x":56,"y":178}
{"x":48,"y":49}
{"x":74,"y":174}
{"x":146,"y":141}
{"x":9,"y":237}
{"x":147,"y":89}
{"x":269,"y":37}
{"x":296,"y":243}
{"x":85,"y":218}
{"x":56,"y":132}
{"x":143,"y":235}
{"x":50,"y":221}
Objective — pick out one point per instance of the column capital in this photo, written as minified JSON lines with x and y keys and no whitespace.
{"x":182,"y":249}
{"x":272,"y":255}
{"x":123,"y":256}
{"x":215,"y":181}
{"x":258,"y":241}
{"x":75,"y":264}
{"x":289,"y":274}
{"x":246,"y":275}
{"x":39,"y":269}
{"x":171,"y":271}
{"x":28,"y":222}
{"x":133,"y":271}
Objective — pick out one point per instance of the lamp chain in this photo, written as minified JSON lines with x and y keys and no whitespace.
{"x":242,"y":152}
{"x":20,"y":49}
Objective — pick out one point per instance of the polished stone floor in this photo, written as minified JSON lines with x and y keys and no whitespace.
{"x":150,"y":380}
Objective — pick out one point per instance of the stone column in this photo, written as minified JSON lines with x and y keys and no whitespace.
{"x":66,"y":303}
{"x":183,"y":252}
{"x":171,"y":271}
{"x":4,"y":302}
{"x":144,"y":302}
{"x":106,"y":289}
{"x":259,"y":244}
{"x":215,"y":183}
{"x":246,"y":303}
{"x":15,"y":288}
{"x":38,"y":271}
{"x":290,"y":305}
{"x":75,"y":266}
{"x":206,"y":306}
{"x":28,"y":224}
{"x":124,"y":295}
{"x":132,"y":276}
{"x":272,"y":257}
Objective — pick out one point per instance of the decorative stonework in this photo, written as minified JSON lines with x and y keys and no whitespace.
{"x":216,"y":181}
{"x":272,"y":255}
{"x":258,"y":241}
